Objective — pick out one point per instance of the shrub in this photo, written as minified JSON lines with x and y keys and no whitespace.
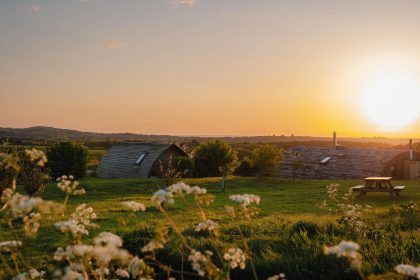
{"x":32,"y":176}
{"x":266,"y":159}
{"x":9,"y":166}
{"x":215,"y":159}
{"x":67,"y":158}
{"x":245,"y":168}
{"x":185,"y":165}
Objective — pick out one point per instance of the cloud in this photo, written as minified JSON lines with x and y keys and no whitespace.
{"x":182,"y":2}
{"x":35,"y":8}
{"x":113,"y":45}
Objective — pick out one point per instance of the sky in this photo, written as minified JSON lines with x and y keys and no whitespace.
{"x":212,"y":67}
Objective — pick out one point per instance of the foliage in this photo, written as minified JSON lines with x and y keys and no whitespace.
{"x":32,"y":176}
{"x":245,"y":168}
{"x":266,"y":159}
{"x":215,"y":159}
{"x":170,"y":173}
{"x":185,"y":165}
{"x":67,"y":158}
{"x":9,"y":166}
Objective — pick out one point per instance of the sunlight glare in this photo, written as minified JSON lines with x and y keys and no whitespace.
{"x":391,"y":99}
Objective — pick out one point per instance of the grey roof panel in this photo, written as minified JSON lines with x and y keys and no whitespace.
{"x":119,"y":161}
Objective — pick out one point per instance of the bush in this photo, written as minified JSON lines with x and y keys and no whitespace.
{"x":9,"y":166}
{"x":68,"y":158}
{"x":210,"y":158}
{"x":185,"y":165}
{"x":266,"y":159}
{"x":245,"y":168}
{"x":32,"y":176}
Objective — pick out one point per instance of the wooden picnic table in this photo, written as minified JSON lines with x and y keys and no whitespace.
{"x":378,"y":184}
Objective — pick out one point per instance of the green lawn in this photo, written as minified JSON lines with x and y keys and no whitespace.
{"x":287,"y":236}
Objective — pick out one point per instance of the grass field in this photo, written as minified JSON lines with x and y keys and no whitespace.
{"x":287,"y":236}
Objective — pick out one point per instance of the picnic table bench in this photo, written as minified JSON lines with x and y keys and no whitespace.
{"x":378,"y":184}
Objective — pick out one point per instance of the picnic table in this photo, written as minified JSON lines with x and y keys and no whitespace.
{"x":378,"y":184}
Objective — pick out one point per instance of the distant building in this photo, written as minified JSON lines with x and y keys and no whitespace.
{"x":136,"y":160}
{"x":350,"y":163}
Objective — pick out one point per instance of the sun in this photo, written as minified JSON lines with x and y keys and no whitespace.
{"x":391,"y":99}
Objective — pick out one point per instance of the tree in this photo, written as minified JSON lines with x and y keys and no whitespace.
{"x":245,"y":168}
{"x":297,"y":163}
{"x":215,"y":159}
{"x":67,"y":158}
{"x":266,"y":159}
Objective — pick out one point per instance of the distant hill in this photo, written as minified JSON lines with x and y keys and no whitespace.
{"x":39,"y":134}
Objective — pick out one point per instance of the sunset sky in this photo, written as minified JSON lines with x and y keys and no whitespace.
{"x":212,"y":67}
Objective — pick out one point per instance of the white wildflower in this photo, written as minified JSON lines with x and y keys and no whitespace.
{"x":10,"y":246}
{"x":179,"y":188}
{"x":198,"y":190}
{"x":408,"y":270}
{"x":346,"y":249}
{"x":37,"y":156}
{"x":162,"y":196}
{"x":134,"y":206}
{"x":207,"y":225}
{"x":245,"y":199}
{"x":67,"y":274}
{"x":79,"y":222}
{"x":31,"y":223}
{"x":151,"y":246}
{"x":139,"y":269}
{"x":122,"y":273}
{"x":32,"y":274}
{"x":70,"y":187}
{"x":108,"y":239}
{"x":200,"y":262}
{"x":235,"y":257}
{"x":102,"y":271}
{"x":20,"y":205}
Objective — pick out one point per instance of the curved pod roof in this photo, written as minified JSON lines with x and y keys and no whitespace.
{"x":120,"y":159}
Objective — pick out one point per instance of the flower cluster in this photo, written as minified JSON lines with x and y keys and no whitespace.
{"x":31,"y":223}
{"x":245,"y":199}
{"x":159,"y":241}
{"x":79,"y":222}
{"x":181,"y":187}
{"x":106,"y":249}
{"x":408,"y":270}
{"x":162,"y":196}
{"x":134,"y":206}
{"x":10,"y":246}
{"x":346,"y":249}
{"x":246,"y":208}
{"x":236,"y":258}
{"x":69,"y":186}
{"x":19,"y":205}
{"x":208,"y":225}
{"x":202,"y":263}
{"x":32,"y":274}
{"x":37,"y":156}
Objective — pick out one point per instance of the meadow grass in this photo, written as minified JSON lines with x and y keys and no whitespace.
{"x":287,"y":236}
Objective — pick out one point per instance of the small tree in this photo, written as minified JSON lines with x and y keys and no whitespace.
{"x":67,"y":158}
{"x":297,"y":163}
{"x":215,"y":159}
{"x":266,"y":159}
